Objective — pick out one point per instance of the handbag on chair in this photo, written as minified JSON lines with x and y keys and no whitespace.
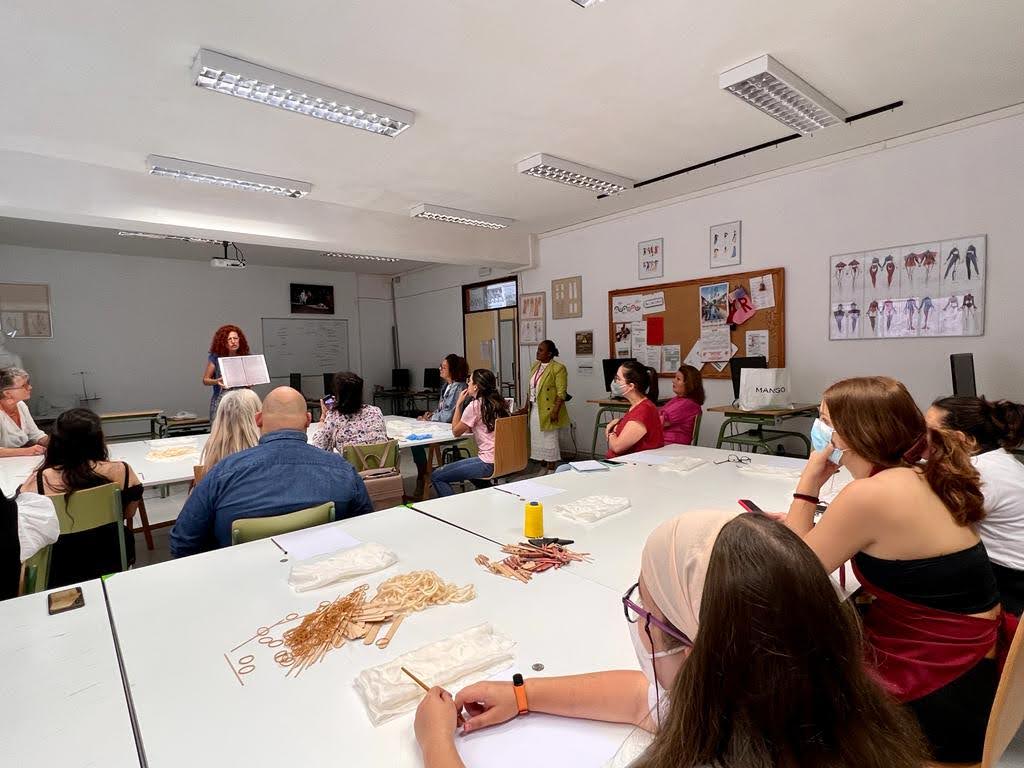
{"x":384,"y":487}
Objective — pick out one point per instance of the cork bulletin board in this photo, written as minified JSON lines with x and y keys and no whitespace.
{"x":679,"y":307}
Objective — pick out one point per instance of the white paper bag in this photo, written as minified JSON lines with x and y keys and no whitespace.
{"x":764,"y":388}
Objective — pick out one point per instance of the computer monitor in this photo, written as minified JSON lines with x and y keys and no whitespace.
{"x":737,"y":364}
{"x":328,"y":383}
{"x":611,"y":367}
{"x":432,"y":378}
{"x":961,"y":366}
{"x":400,"y":378}
{"x":295,"y":381}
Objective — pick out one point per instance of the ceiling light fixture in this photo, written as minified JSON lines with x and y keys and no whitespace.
{"x":766,"y":84}
{"x":575,"y":175}
{"x":455,"y":216}
{"x":225,"y":177}
{"x":155,"y":236}
{"x":587,"y":3}
{"x":360,"y":257}
{"x":237,"y":77}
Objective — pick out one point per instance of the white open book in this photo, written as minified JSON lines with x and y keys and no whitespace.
{"x":244,"y":371}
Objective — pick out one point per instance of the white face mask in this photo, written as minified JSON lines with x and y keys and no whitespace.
{"x":644,"y":656}
{"x":618,"y":390}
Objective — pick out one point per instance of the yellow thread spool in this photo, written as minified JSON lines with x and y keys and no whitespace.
{"x":533,"y":525}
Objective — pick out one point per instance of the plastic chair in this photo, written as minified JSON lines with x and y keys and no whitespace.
{"x":511,"y":449}
{"x":85,"y":510}
{"x":36,"y":572}
{"x":255,"y":528}
{"x":373,"y":456}
{"x":1007,"y":710}
{"x":696,"y":428}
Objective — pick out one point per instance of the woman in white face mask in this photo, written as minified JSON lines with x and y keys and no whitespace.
{"x":777,"y":657}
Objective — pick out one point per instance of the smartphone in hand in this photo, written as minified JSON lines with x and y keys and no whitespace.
{"x":750,"y":506}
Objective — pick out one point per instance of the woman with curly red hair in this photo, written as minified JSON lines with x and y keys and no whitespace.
{"x":228,"y":341}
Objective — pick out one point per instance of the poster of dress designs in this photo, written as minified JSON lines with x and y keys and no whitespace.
{"x":925,"y":289}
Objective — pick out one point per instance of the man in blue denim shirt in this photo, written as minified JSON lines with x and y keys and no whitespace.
{"x":281,"y":474}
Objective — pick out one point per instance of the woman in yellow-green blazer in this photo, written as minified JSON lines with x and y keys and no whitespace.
{"x":548,"y":384}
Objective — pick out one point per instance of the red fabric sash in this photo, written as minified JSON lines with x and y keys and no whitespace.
{"x":916,"y":650}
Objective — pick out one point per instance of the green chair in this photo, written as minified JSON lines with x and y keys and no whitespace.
{"x":374,"y":456}
{"x":696,"y":428}
{"x":36,"y":572}
{"x":77,"y":512}
{"x":255,"y":528}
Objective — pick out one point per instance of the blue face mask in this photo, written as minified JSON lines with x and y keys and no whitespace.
{"x":821,"y":438}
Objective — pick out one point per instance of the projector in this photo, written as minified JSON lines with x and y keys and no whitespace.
{"x":227,"y":263}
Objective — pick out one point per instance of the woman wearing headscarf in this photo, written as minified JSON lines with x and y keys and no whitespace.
{"x":777,"y":657}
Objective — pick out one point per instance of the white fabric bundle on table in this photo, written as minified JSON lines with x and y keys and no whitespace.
{"x":592,"y":509}
{"x":454,"y":662}
{"x":681,"y":464}
{"x":340,"y":566}
{"x":759,"y":470}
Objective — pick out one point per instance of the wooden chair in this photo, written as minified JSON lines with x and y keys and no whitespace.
{"x":254,"y":528}
{"x":511,"y":449}
{"x":1007,"y":710}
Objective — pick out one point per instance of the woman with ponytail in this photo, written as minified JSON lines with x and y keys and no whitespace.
{"x":641,"y":428}
{"x":993,"y":429}
{"x":477,"y":410}
{"x":935,"y":627}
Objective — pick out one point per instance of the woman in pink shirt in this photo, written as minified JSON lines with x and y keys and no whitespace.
{"x":477,"y":410}
{"x":679,"y":415}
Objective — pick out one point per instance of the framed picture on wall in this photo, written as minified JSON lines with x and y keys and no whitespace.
{"x":567,"y":298}
{"x":584,"y":343}
{"x":311,"y":299}
{"x":725,"y":244}
{"x":650,"y":258}
{"x":532,"y":319}
{"x":25,"y":310}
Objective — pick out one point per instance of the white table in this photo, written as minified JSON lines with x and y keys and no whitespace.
{"x":62,"y":700}
{"x":192,"y":710}
{"x":616,"y":543}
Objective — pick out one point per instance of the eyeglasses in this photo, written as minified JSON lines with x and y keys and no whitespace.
{"x":27,"y":383}
{"x":732,"y":458}
{"x":634,"y":610}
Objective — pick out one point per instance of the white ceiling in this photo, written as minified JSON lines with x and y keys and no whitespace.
{"x":74,"y":237}
{"x":630,"y":86}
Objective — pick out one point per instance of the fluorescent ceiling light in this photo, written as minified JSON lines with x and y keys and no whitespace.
{"x":237,"y":77}
{"x":359,"y":256}
{"x":567,"y":172}
{"x":455,"y":216}
{"x":587,"y":3}
{"x":766,"y":84}
{"x":225,"y":177}
{"x":155,"y":236}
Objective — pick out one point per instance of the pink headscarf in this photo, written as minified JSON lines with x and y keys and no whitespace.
{"x":675,"y":563}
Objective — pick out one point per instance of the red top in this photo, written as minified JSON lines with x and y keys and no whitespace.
{"x":681,"y":414}
{"x":915,"y":650}
{"x":645,"y":413}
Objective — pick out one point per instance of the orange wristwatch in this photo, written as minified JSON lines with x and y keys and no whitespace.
{"x":520,"y":689}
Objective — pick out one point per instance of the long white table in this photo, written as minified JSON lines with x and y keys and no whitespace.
{"x":192,"y":710}
{"x":14,"y":470}
{"x":616,"y":543}
{"x":62,"y":700}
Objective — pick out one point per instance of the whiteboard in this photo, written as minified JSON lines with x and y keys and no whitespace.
{"x":306,"y":345}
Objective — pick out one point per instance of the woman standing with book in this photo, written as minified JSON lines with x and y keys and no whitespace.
{"x":228,"y":341}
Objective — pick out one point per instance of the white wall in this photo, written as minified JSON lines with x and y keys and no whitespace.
{"x":965,"y":182}
{"x":142,"y":326}
{"x":929,"y":187}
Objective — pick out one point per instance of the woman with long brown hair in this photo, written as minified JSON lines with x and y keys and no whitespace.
{"x":774,"y":677}
{"x":228,"y":341}
{"x":935,"y":626}
{"x":679,"y":415}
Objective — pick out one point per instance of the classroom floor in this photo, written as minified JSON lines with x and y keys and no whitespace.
{"x":166,"y":509}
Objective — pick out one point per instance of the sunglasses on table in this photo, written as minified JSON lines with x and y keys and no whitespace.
{"x":732,"y":458}
{"x":634,"y":611}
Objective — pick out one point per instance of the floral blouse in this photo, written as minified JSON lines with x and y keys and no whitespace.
{"x":363,"y":428}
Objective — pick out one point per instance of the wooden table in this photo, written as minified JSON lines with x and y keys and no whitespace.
{"x":168,"y":426}
{"x":616,"y":405}
{"x":759,"y":437}
{"x":119,"y":416}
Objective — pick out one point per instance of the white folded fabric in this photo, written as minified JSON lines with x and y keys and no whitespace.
{"x":37,"y":523}
{"x":452,"y":663}
{"x":681,"y":464}
{"x":592,"y":509}
{"x":339,"y":566}
{"x":759,"y":470}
